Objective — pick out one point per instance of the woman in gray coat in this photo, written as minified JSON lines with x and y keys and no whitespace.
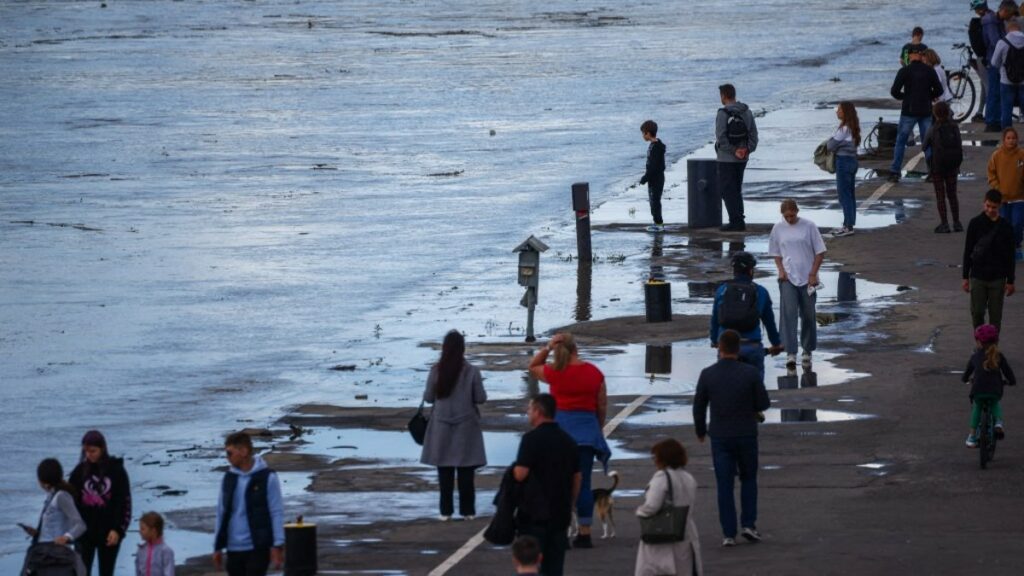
{"x":454,"y":441}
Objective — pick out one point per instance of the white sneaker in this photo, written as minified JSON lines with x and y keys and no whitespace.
{"x":751,"y":534}
{"x":840,"y":232}
{"x":469,"y":518}
{"x":656,"y":228}
{"x":729,"y":542}
{"x":791,"y":360}
{"x":444,"y":518}
{"x":805,"y":358}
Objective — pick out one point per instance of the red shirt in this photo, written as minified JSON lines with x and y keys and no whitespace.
{"x":576,"y":387}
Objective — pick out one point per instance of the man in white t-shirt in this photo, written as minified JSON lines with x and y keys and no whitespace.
{"x":798,"y":250}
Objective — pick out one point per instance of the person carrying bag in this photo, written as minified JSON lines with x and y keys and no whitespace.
{"x":669,"y":543}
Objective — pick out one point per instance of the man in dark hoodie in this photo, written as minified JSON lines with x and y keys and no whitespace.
{"x":988,"y":264}
{"x":735,"y":139}
{"x":654,"y":176}
{"x":917,"y":86}
{"x":104,"y":501}
{"x":250,"y":513}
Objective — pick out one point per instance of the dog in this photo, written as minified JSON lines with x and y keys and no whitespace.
{"x":603,"y":506}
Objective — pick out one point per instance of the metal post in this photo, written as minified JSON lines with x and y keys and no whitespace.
{"x":581,"y":205}
{"x":531,"y":303}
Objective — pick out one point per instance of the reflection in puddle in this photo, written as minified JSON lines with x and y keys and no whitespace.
{"x":808,"y":378}
{"x":683,"y":415}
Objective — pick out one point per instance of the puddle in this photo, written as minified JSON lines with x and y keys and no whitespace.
{"x":683,"y":415}
{"x":986,"y":143}
{"x":771,"y":467}
{"x":873,"y":465}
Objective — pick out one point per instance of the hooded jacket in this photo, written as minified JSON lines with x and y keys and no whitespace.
{"x":917,"y":85}
{"x":236,"y":514}
{"x":726,"y":151}
{"x":1016,"y":38}
{"x":104,"y":497}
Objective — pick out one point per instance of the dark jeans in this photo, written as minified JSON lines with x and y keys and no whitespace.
{"x":249,"y":563}
{"x":467,"y":492}
{"x":1013,"y":212}
{"x":585,"y":501}
{"x":904,"y":131}
{"x":730,"y":455}
{"x":730,"y":184}
{"x":89,"y":548}
{"x":1009,"y":94}
{"x":993,"y":107}
{"x":654,"y":191}
{"x":554,"y":541}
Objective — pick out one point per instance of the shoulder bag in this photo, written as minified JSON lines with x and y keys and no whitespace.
{"x":418,"y":426}
{"x":668,"y":524}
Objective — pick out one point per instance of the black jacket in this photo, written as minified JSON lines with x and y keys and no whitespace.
{"x":988,"y":381}
{"x":104,"y":497}
{"x":655,"y":173}
{"x":998,"y":261}
{"x":916,"y":85}
{"x":736,"y":394}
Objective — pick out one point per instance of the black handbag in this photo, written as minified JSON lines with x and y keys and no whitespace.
{"x":418,"y":426}
{"x":668,"y":524}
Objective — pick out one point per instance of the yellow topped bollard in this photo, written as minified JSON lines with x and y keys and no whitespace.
{"x":300,"y":549}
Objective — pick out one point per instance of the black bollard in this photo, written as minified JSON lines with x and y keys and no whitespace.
{"x":658,"y":301}
{"x":703,"y":199}
{"x":300,"y":549}
{"x":887,"y":132}
{"x":581,"y":205}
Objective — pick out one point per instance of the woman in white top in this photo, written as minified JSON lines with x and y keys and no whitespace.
{"x":679,"y":558}
{"x":844,"y":145}
{"x":931,"y":58}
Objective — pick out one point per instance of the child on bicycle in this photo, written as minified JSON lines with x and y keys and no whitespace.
{"x":988,"y":371}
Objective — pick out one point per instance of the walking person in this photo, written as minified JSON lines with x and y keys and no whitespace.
{"x":980,"y":62}
{"x":59,"y":523}
{"x":579,"y":391}
{"x":844,"y":144}
{"x":735,"y":140}
{"x":250,"y":512}
{"x":104,"y":500}
{"x":943,"y":140}
{"x":154,"y":557}
{"x":987,"y":371}
{"x":988,"y":265}
{"x":1006,"y":174}
{"x":670,"y":483}
{"x":1009,"y":58}
{"x":454,"y":442}
{"x":744,"y":305}
{"x":548,"y":467}
{"x":917,"y":86}
{"x":654,"y":176}
{"x":736,"y":394}
{"x":798,"y":250}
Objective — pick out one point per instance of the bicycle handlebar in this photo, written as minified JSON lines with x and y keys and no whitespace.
{"x":959,"y":46}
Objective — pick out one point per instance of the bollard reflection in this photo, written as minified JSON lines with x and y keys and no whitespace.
{"x":584,"y":281}
{"x":809,"y":379}
{"x":658,"y":359}
{"x":799,"y":415}
{"x":846,"y":289}
{"x":789,"y":381}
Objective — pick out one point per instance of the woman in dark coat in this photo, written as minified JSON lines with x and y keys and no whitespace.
{"x":104,"y":501}
{"x":454,"y":441}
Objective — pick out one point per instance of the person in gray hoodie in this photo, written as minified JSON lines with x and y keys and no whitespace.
{"x":1008,"y":51}
{"x":735,"y":139}
{"x":154,"y":557}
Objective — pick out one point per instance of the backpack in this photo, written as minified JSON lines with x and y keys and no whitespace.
{"x":1014,"y":63}
{"x":738,"y":308}
{"x":947,"y":151}
{"x":736,"y":130}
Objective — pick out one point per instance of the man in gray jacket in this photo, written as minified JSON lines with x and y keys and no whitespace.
{"x":1008,"y":56}
{"x":735,"y":139}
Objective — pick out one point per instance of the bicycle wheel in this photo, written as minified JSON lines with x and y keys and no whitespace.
{"x":962,"y":87}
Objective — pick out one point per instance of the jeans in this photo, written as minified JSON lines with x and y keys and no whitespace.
{"x":554,"y":541}
{"x":467,"y":492}
{"x":982,"y":72}
{"x":654,"y":191}
{"x":796,"y":303}
{"x":1014,"y":214}
{"x":846,"y":177}
{"x":730,"y":455}
{"x":753,"y":354}
{"x":987,"y":295}
{"x":585,"y":501}
{"x":248,"y":563}
{"x":905,"y":129}
{"x":730,"y":183}
{"x":992,"y":108}
{"x":1009,"y":94}
{"x":91,"y":549}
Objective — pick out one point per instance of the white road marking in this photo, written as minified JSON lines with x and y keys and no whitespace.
{"x":885,"y":187}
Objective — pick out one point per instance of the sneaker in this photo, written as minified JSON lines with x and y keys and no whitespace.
{"x":582,"y":541}
{"x":469,"y":518}
{"x":805,"y":359}
{"x":894,"y":177}
{"x":751,"y":534}
{"x":840,"y":232}
{"x":733,"y":227}
{"x":728,"y":542}
{"x":942,"y":228}
{"x":656,"y":228}
{"x":1000,"y":432}
{"x":958,"y":227}
{"x":791,"y":360}
{"x":445,"y":518}
{"x":972,"y":440}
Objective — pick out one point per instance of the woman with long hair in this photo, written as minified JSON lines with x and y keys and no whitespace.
{"x":454,"y":442}
{"x":844,"y":144}
{"x":59,"y":523}
{"x":582,"y":406}
{"x":104,"y":500}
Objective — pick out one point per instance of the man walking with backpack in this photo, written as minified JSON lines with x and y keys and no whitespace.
{"x":1009,"y":58}
{"x":743,"y":305}
{"x":735,"y":139}
{"x":917,"y":85}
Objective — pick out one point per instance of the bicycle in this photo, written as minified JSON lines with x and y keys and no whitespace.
{"x":987,"y":437}
{"x":961,"y":85}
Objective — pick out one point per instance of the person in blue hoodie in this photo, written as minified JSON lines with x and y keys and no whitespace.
{"x":250,"y":513}
{"x":743,"y":305}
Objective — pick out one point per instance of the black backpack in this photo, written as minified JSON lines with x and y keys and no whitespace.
{"x":738,"y":308}
{"x":976,"y":38}
{"x":736,"y":130}
{"x":947,"y":150}
{"x":1014,"y":63}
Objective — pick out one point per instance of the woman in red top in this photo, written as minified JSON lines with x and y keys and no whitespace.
{"x":582,"y":402}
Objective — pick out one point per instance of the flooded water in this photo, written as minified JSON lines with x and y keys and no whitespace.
{"x":682,"y":415}
{"x":207,"y":205}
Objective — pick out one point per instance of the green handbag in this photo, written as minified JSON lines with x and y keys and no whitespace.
{"x":668,"y":524}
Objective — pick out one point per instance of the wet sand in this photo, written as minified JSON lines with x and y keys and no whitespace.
{"x":867,"y":476}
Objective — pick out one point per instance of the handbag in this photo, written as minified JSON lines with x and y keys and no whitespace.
{"x":824,"y":159}
{"x":418,"y":426}
{"x":668,"y":524}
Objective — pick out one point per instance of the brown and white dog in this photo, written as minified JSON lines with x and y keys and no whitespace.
{"x":603,"y":505}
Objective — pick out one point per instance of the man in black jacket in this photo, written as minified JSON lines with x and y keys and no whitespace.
{"x":736,"y":393}
{"x":654,"y":176}
{"x":917,"y":85}
{"x":989,"y":262}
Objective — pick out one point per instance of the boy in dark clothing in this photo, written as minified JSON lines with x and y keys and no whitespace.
{"x":916,"y":35}
{"x":917,"y":85}
{"x":654,"y":177}
{"x":988,"y":264}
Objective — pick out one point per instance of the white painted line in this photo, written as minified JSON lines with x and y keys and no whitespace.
{"x":478,"y":538}
{"x":885,"y":187}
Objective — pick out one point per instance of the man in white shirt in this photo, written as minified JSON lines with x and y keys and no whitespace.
{"x":798,"y":250}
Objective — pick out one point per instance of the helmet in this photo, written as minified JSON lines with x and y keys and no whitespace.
{"x":743,"y":261}
{"x":987,"y":334}
{"x":976,"y":4}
